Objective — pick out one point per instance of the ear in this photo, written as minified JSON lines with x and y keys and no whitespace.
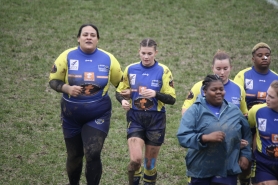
{"x":253,"y":59}
{"x":78,"y":39}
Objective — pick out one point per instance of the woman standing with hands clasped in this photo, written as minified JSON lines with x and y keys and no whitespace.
{"x":151,"y":87}
{"x":83,"y":74}
{"x":264,"y":117}
{"x":211,"y":129}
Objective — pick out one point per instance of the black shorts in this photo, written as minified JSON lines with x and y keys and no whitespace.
{"x":147,"y":125}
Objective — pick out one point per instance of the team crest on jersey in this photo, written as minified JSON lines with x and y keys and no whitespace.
{"x":89,"y":76}
{"x":53,"y":69}
{"x":190,"y":95}
{"x":262,"y":124}
{"x":132,"y":79}
{"x":249,"y":83}
{"x":90,"y":89}
{"x":74,"y":65}
{"x":103,"y":68}
{"x":156,"y":83}
{"x":99,"y":121}
{"x":143,"y":103}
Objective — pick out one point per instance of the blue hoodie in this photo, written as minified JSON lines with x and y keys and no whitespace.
{"x":213,"y":158}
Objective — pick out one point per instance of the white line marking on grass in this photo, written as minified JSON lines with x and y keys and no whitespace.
{"x":274,"y":2}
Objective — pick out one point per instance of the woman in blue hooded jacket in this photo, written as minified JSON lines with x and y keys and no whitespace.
{"x":212,"y":129}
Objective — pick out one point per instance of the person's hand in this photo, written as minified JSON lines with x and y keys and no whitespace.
{"x":217,"y":136}
{"x":148,"y":93}
{"x":126,"y":93}
{"x":243,"y":143}
{"x":243,"y":163}
{"x":125,"y":105}
{"x":72,"y":90}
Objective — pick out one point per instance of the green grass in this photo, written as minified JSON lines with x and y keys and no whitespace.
{"x":188,"y":33}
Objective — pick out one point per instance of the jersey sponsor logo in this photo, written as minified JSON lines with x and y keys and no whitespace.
{"x":132,"y":79}
{"x":143,"y":103}
{"x":105,"y":77}
{"x":275,"y":119}
{"x":156,"y":83}
{"x":249,"y":83}
{"x":274,"y":138}
{"x":235,"y":100}
{"x":88,"y":60}
{"x":74,"y":76}
{"x":99,"y":121}
{"x":262,"y":124}
{"x":89,"y":76}
{"x":261,"y":95}
{"x":74,"y":64}
{"x":141,"y":89}
{"x":53,"y":69}
{"x":190,"y":95}
{"x":103,"y":68}
{"x":90,"y":89}
{"x":145,"y":74}
{"x":261,"y":80}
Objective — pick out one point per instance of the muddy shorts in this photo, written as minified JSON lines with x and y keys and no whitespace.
{"x":94,"y":114}
{"x":147,"y":125}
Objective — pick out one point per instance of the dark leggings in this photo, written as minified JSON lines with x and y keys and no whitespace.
{"x":90,"y":141}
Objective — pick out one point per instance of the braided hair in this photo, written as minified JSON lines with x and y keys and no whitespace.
{"x":209,"y":79}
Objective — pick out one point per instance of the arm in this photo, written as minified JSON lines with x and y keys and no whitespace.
{"x":187,"y":134}
{"x":245,"y":153}
{"x":116,"y":71}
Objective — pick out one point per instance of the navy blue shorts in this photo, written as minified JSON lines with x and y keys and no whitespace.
{"x":95,"y":114}
{"x":147,"y":125}
{"x":265,"y":168}
{"x":229,"y":180}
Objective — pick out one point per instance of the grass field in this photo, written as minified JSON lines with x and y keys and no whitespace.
{"x":33,"y":33}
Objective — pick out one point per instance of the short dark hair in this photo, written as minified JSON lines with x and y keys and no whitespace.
{"x":84,"y":25}
{"x":148,"y":43}
{"x":209,"y":79}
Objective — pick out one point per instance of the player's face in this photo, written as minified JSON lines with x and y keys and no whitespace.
{"x":215,"y":93}
{"x":272,"y":99}
{"x":222,"y":68}
{"x":88,"y":39}
{"x":262,"y":59}
{"x":147,"y":55}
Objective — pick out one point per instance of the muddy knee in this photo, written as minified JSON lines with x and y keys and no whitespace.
{"x":133,"y":166}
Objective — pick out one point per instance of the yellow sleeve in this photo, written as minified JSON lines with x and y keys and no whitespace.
{"x":252,"y":114}
{"x":59,"y":69}
{"x":239,"y":78}
{"x":243,"y":105}
{"x":192,"y":95}
{"x":115,"y":71}
{"x":168,"y":82}
{"x":124,"y":84}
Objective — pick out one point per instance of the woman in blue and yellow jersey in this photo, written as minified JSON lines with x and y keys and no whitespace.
{"x":151,"y":87}
{"x":264,"y":117}
{"x":211,"y":130}
{"x":221,"y":65}
{"x":256,"y":79}
{"x":83,"y":74}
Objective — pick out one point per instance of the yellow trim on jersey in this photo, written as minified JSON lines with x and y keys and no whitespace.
{"x":62,"y":67}
{"x":195,"y":90}
{"x":253,"y":122}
